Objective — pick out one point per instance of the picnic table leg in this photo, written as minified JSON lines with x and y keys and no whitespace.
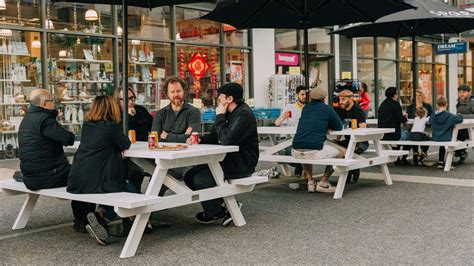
{"x":383,"y":167}
{"x":341,"y":183}
{"x":449,"y":159}
{"x":284,"y":167}
{"x":135,"y":235}
{"x":230,"y":202}
{"x":25,"y":212}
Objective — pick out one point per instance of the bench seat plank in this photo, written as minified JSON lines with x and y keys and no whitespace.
{"x":289,"y":159}
{"x":428,"y":143}
{"x":124,"y":200}
{"x":249,"y":181}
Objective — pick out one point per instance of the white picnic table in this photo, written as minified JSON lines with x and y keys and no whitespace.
{"x":382,"y":157}
{"x":163,"y":161}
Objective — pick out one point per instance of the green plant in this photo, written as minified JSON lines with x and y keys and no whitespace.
{"x":64,"y":41}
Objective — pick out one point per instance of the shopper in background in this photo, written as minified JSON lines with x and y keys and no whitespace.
{"x":139,"y":119}
{"x":365,"y":99}
{"x":419,"y":103}
{"x":235,"y":125}
{"x":390,"y":115}
{"x":41,"y":139}
{"x":290,"y":117}
{"x":176,"y":122}
{"x":316,"y":120}
{"x":98,"y":163}
{"x":443,"y":123}
{"x":464,"y":107}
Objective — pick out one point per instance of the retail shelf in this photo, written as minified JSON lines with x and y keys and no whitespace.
{"x":75,"y":102}
{"x":15,"y":54}
{"x":72,"y":60}
{"x":3,"y":104}
{"x":9,"y":132}
{"x":142,"y":63}
{"x":83,"y":81}
{"x":142,"y":82}
{"x":15,"y":80}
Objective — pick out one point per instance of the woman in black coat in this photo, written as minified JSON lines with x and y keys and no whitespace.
{"x":98,"y":162}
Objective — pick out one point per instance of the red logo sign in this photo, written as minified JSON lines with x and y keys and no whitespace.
{"x":198,"y":66}
{"x":286,"y":59}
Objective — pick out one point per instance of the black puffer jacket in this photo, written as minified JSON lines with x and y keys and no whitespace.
{"x":465,"y":107}
{"x":41,"y":140}
{"x":236,"y":128}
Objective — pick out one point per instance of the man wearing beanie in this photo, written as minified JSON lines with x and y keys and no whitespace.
{"x":234,"y":125}
{"x":316,"y":120}
{"x":464,"y":107}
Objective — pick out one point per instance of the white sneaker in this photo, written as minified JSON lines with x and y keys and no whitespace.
{"x":311,"y":186}
{"x":325,"y":187}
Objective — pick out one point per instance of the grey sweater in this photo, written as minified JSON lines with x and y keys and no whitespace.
{"x":177,"y":124}
{"x":465,"y":107}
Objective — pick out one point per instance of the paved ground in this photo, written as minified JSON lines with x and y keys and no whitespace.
{"x":425,"y":218}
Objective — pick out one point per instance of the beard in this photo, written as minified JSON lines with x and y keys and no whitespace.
{"x":303,"y":101}
{"x":177,"y":100}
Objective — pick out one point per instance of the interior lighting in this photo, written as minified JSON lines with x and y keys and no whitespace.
{"x":91,"y":15}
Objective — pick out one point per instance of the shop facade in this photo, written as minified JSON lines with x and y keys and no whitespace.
{"x":82,"y":46}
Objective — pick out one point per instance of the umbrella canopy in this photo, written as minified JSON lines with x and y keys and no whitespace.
{"x":429,"y":18}
{"x":137,"y":3}
{"x":302,"y":14}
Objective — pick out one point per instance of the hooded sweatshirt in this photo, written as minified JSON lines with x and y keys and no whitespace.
{"x":442,"y":124}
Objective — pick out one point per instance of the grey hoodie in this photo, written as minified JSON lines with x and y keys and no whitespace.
{"x":465,"y":107}
{"x":442,"y":124}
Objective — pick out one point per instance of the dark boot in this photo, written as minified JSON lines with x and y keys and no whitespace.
{"x":416,"y":157}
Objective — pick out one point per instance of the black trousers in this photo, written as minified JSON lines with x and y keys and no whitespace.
{"x":80,"y":211}
{"x":442,"y":151}
{"x":200,"y":177}
{"x":416,"y":136}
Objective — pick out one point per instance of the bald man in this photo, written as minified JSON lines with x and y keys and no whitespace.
{"x":41,"y":139}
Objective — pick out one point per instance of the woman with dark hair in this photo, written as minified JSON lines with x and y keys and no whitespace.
{"x":98,"y":163}
{"x":364,"y":99}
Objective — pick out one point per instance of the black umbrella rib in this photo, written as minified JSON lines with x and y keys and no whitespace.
{"x":356,"y":9}
{"x":243,"y":25}
{"x":321,"y":4}
{"x":293,"y":7}
{"x":449,"y":26}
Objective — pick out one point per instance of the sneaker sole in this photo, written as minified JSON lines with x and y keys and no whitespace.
{"x":98,"y":230}
{"x":203,"y":222}
{"x":93,"y":235}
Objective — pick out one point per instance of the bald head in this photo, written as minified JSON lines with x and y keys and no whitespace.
{"x":41,"y":98}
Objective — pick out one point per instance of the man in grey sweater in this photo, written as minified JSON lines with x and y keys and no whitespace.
{"x":464,"y":107}
{"x":176,"y":122}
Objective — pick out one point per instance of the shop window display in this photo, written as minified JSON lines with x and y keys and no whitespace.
{"x":365,"y":47}
{"x":425,"y":81}
{"x":440,"y":79}
{"x":365,"y":73}
{"x":23,"y":13}
{"x":406,"y":83}
{"x":286,"y":39}
{"x":190,"y":28}
{"x":90,"y":18}
{"x":318,"y":40}
{"x":386,"y":48}
{"x":200,"y":67}
{"x":235,"y":36}
{"x":154,"y":23}
{"x":237,"y":68}
{"x":461,"y":75}
{"x":405,"y":50}
{"x":424,"y":52}
{"x":387,"y":78}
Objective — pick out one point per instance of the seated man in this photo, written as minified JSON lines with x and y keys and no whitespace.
{"x":316,"y":120}
{"x":290,"y":117}
{"x":351,"y":110}
{"x":176,"y":122}
{"x":235,"y":125}
{"x":41,"y":139}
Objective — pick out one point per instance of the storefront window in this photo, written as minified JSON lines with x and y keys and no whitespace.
{"x":386,"y":48}
{"x":440,"y":86}
{"x":405,"y":50}
{"x":319,"y":41}
{"x":406,"y":83}
{"x":23,"y":13}
{"x":236,"y":69}
{"x":285,"y":39}
{"x":234,"y":36}
{"x":88,"y":18}
{"x":425,"y":81}
{"x":190,"y":28}
{"x":365,"y":73}
{"x":441,"y":58}
{"x":193,"y":60}
{"x":460,"y":75}
{"x":387,"y":77}
{"x":365,"y":47}
{"x":469,"y":76}
{"x":154,"y":23}
{"x":425,"y":52}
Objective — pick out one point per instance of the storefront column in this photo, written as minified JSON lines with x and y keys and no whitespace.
{"x":354,"y":58}
{"x":337,"y":56}
{"x":263,"y":60}
{"x":452,"y":79}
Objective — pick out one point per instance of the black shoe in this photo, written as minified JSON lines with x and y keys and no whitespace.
{"x":356,"y":175}
{"x":463,"y":156}
{"x":398,"y":162}
{"x":97,"y":228}
{"x":79,"y":227}
{"x":203,"y":219}
{"x":404,"y":162}
{"x":349,"y":176}
{"x":298,"y":170}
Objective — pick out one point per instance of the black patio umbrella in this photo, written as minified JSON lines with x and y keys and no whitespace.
{"x":429,"y":18}
{"x":302,"y":14}
{"x":125,"y":4}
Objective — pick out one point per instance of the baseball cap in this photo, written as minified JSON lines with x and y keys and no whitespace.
{"x":318,"y":93}
{"x":232,"y":89}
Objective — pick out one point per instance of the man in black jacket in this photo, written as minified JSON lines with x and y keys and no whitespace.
{"x":41,"y":139}
{"x":390,"y":114}
{"x":234,"y":125}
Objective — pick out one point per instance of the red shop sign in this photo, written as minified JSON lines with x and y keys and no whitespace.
{"x":286,"y":59}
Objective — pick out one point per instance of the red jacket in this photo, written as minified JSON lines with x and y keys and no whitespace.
{"x":365,"y":101}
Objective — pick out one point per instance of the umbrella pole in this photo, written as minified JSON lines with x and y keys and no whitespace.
{"x":125,"y":65}
{"x":306,"y":56}
{"x":414,"y":67}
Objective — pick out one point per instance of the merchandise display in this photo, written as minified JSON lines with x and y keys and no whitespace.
{"x":282,"y":89}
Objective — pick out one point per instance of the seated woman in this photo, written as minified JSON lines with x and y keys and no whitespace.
{"x":98,"y":163}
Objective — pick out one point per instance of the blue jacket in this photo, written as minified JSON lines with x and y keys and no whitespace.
{"x":442,"y":124}
{"x":316,"y":119}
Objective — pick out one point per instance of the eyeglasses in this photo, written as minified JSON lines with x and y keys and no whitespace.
{"x":132,"y":98}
